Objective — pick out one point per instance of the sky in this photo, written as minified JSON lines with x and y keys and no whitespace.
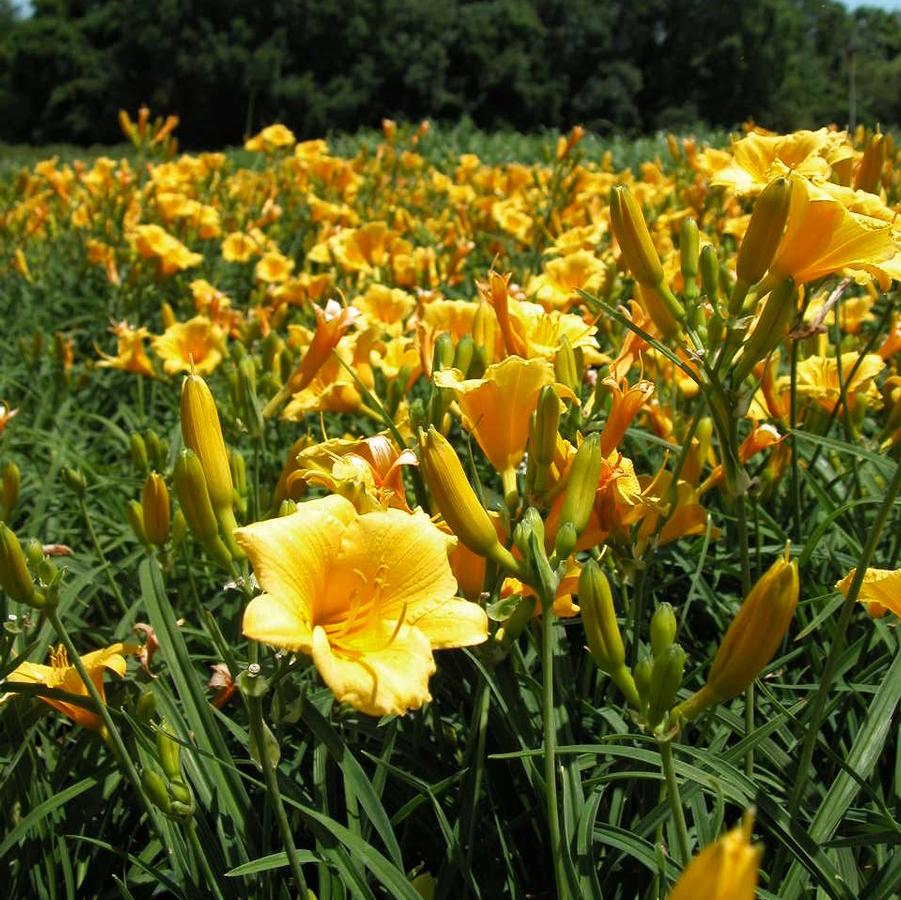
{"x":882,"y":4}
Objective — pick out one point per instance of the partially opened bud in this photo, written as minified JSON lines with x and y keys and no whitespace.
{"x":155,"y":500}
{"x":584,"y":475}
{"x":15,"y":578}
{"x":457,"y":501}
{"x":764,"y":232}
{"x":203,"y":434}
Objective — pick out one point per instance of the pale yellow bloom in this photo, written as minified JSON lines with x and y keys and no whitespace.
{"x":197,"y":344}
{"x":880,"y":590}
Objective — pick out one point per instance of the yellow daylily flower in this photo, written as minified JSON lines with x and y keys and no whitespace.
{"x":130,"y":353}
{"x":62,"y":676}
{"x":496,"y":408}
{"x":558,"y":285}
{"x":369,"y":597}
{"x":880,"y":590}
{"x":271,"y":138}
{"x":197,"y":343}
{"x":727,"y":869}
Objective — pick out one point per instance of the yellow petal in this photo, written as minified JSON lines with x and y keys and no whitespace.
{"x":291,"y":557}
{"x":453,"y":623}
{"x":403,"y":557}
{"x":879,"y":586}
{"x":385,"y":681}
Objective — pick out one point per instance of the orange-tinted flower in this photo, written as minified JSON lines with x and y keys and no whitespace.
{"x":197,"y":344}
{"x":131,"y":355}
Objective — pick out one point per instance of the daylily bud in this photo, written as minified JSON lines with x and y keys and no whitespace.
{"x":247,"y":396}
{"x":663,"y":628}
{"x":179,"y":527}
{"x":764,"y":232}
{"x":443,"y":355}
{"x":169,"y":752}
{"x":726,"y":869}
{"x":464,"y":353}
{"x":599,"y":618}
{"x":10,"y":482}
{"x":530,"y":523}
{"x":74,"y":480}
{"x":772,"y":325}
{"x":543,"y":440}
{"x":139,"y":452}
{"x":634,"y":239}
{"x":642,"y":675}
{"x":203,"y":434}
{"x":457,"y":501}
{"x":688,"y":256}
{"x":565,"y":541}
{"x":583,"y":483}
{"x":870,"y":170}
{"x":666,"y":679}
{"x":602,"y":630}
{"x":566,"y":370}
{"x":15,"y":578}
{"x":193,"y":496}
{"x":155,"y":500}
{"x":710,"y":274}
{"x":664,"y":309}
{"x":756,"y":631}
{"x":134,"y":514}
{"x":155,"y":788}
{"x":484,"y":330}
{"x":157,"y":450}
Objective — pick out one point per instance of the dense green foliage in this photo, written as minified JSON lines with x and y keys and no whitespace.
{"x":231,"y":65}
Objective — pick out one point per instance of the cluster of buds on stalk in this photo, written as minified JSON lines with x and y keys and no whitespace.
{"x":168,"y":790}
{"x":39,"y":590}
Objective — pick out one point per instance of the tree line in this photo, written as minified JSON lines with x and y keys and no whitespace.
{"x":226,"y":67}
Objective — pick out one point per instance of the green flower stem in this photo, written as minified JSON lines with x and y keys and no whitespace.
{"x":744,"y":551}
{"x":675,"y":800}
{"x":123,"y":606}
{"x":202,"y":861}
{"x":112,"y":732}
{"x":255,"y":709}
{"x":835,"y":651}
{"x":550,"y":745}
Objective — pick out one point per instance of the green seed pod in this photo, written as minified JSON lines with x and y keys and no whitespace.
{"x":663,"y":628}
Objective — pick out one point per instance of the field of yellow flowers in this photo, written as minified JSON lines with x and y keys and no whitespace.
{"x":389,"y":522}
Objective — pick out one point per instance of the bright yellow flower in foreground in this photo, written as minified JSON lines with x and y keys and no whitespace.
{"x":62,"y":676}
{"x":881,"y":590}
{"x":369,"y":597}
{"x":724,"y":870}
{"x":197,"y":344}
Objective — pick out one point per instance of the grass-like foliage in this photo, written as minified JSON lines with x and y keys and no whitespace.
{"x":277,"y":424}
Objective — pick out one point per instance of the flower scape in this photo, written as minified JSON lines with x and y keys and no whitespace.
{"x":454,"y":527}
